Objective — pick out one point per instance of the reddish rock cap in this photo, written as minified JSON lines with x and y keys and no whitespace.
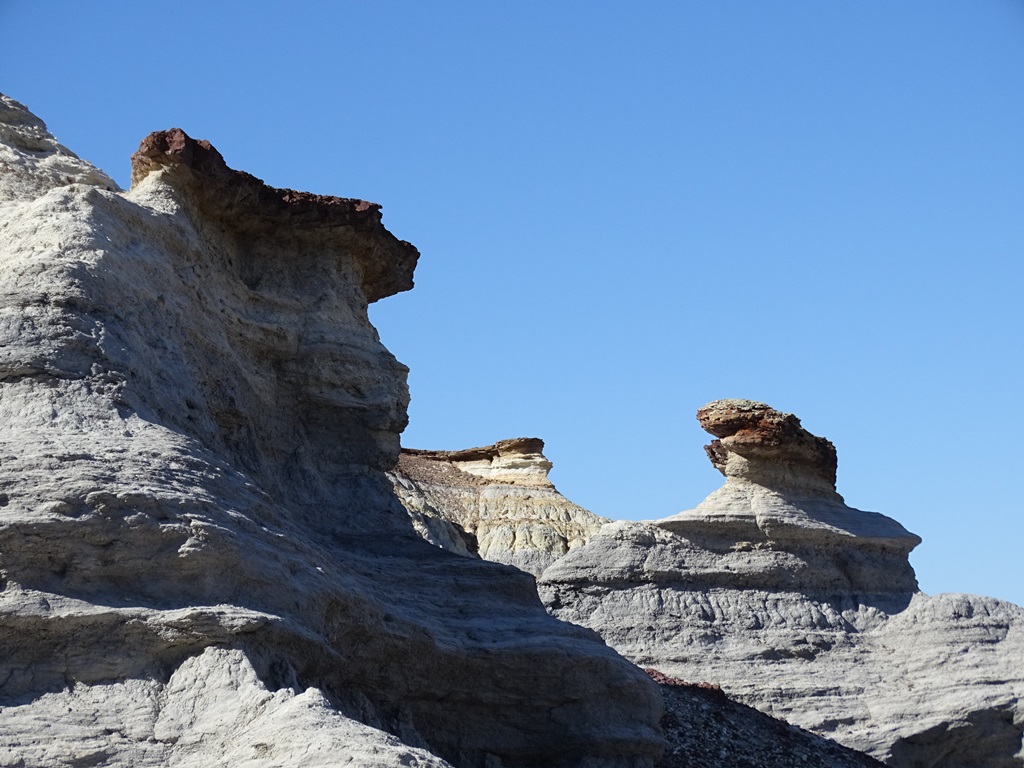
{"x":759,"y":433}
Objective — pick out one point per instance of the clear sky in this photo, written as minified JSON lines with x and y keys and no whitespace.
{"x":628,"y":210}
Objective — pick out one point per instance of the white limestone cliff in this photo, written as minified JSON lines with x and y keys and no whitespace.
{"x":32,"y":162}
{"x":203,"y":562}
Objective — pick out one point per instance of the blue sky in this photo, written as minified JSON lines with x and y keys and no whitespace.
{"x":626,"y":212}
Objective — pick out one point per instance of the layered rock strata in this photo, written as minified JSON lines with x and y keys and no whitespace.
{"x":203,"y":562}
{"x":803,"y":607}
{"x":495,"y":502}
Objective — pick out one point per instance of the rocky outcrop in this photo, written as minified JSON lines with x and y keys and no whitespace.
{"x":803,"y":607}
{"x":203,"y":562}
{"x":242,"y":202}
{"x":495,"y":502}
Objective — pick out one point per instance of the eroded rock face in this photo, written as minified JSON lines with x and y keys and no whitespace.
{"x":803,"y":607}
{"x":495,"y":502}
{"x":203,"y":561}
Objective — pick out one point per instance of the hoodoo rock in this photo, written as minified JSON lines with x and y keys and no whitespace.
{"x":803,"y":607}
{"x":203,"y":561}
{"x":768,"y":447}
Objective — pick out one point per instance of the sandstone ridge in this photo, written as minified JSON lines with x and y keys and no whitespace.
{"x":203,"y":561}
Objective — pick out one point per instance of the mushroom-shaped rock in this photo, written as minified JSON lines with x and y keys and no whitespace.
{"x":757,"y":441}
{"x":802,"y":606}
{"x":780,"y":489}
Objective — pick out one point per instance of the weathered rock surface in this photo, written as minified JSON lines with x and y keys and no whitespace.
{"x":495,"y":502}
{"x":803,"y":607}
{"x":203,"y":562}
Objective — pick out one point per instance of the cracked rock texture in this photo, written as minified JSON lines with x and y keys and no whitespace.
{"x":203,"y":561}
{"x":495,"y":502}
{"x":803,"y":607}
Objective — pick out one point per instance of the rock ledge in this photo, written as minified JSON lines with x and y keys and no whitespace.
{"x":225,"y":194}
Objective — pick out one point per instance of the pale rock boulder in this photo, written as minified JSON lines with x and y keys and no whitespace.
{"x":495,"y":502}
{"x":203,"y":561}
{"x":803,"y":607}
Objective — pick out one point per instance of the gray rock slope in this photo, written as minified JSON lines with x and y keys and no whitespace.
{"x":203,"y":562}
{"x":803,"y":607}
{"x":706,"y":729}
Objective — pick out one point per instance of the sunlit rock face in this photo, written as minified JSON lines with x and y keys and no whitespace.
{"x":803,"y":607}
{"x":495,"y":502}
{"x":203,"y":561}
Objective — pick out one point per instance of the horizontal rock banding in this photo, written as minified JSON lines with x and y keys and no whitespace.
{"x":494,"y":501}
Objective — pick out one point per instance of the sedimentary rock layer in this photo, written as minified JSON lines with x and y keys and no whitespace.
{"x":203,"y":562}
{"x":774,"y":588}
{"x":495,"y":502}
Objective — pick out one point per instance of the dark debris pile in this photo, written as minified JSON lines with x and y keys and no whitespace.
{"x":707,"y":729}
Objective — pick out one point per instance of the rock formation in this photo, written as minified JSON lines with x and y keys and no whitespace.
{"x":203,"y":562}
{"x":495,"y":502}
{"x":792,"y":601}
{"x":212,"y":553}
{"x":803,"y":607}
